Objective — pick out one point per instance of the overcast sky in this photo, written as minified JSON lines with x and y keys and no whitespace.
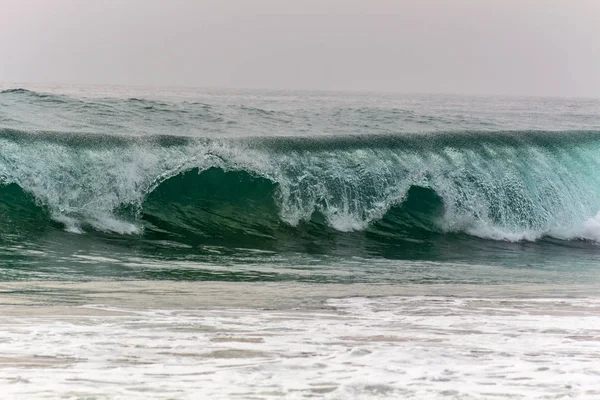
{"x":530,"y":47}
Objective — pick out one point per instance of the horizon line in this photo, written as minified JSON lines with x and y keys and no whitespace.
{"x":305,"y":90}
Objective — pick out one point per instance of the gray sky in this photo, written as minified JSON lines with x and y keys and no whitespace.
{"x":531,"y":47}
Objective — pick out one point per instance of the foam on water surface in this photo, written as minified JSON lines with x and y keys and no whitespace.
{"x":413,"y":347}
{"x":306,"y":345}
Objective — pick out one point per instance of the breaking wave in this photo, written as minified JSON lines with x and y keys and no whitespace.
{"x":500,"y":185}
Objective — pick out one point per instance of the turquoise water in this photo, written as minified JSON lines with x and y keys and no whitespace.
{"x":113,"y":183}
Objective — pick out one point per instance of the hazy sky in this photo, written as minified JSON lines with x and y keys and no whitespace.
{"x":531,"y":47}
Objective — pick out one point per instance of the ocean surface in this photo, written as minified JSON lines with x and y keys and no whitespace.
{"x":176,"y":243}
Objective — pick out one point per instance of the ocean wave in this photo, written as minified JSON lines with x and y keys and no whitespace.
{"x":509,"y":186}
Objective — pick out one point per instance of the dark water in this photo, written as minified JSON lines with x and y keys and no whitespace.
{"x":113,"y":183}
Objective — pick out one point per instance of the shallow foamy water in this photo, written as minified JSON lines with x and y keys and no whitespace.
{"x":190,"y":341}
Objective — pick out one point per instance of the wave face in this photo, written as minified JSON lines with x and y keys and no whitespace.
{"x":281,"y":191}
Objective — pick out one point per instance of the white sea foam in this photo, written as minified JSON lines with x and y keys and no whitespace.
{"x":71,"y":225}
{"x":361,"y":348}
{"x":591,"y":228}
{"x":588,"y":230}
